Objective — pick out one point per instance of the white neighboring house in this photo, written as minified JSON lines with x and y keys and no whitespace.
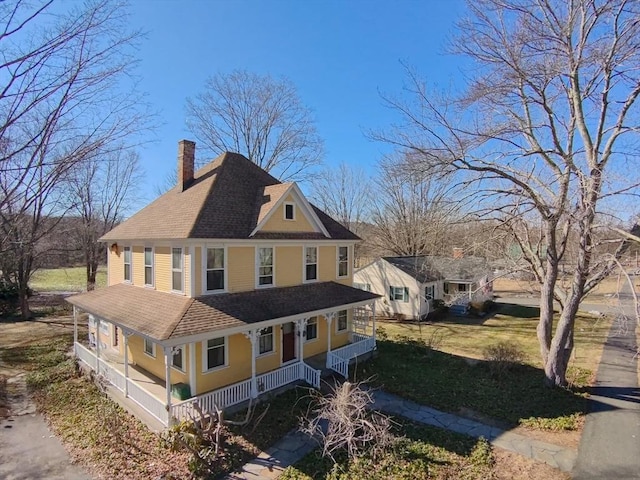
{"x":409,"y":285}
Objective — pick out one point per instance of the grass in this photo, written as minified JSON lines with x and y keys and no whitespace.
{"x":72,"y":279}
{"x":422,"y":452}
{"x":468,"y":336}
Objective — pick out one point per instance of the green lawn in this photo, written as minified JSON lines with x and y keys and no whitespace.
{"x":72,"y":279}
{"x":423,"y":452}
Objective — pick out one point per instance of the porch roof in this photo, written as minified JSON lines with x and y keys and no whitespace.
{"x":166,"y":316}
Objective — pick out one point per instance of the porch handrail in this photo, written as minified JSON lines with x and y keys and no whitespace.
{"x":338,"y":364}
{"x":365,"y":344}
{"x":311,"y":375}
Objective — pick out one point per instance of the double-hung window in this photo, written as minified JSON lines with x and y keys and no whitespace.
{"x":265,"y":266}
{"x":148,"y":266}
{"x":342,"y":321}
{"x":429,"y":292}
{"x":311,"y":263}
{"x":265,"y":343}
{"x":176,"y":269}
{"x":127,"y":263}
{"x":177,"y":360}
{"x":399,"y":294}
{"x":343,"y":261}
{"x":215,"y":269}
{"x":215,"y":353}
{"x":149,"y":347}
{"x":312,"y":328}
{"x":362,"y":286}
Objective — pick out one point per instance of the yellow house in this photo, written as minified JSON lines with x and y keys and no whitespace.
{"x":229,"y":285}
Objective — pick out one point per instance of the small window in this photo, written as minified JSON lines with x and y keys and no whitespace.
{"x":127,"y":264}
{"x":462,"y":287}
{"x":149,"y":347}
{"x":342,"y":321}
{"x":176,"y":269}
{"x":265,"y":266}
{"x":429,"y":292}
{"x":177,"y":360}
{"x":148,"y":266}
{"x":104,"y":327}
{"x":289,"y":211}
{"x":363,"y":286}
{"x":311,"y":263}
{"x":343,"y":261}
{"x":215,"y":353}
{"x":266,"y":341}
{"x":215,"y":269}
{"x":312,"y":328}
{"x":399,"y":294}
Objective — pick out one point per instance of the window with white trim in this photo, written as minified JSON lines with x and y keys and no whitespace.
{"x":215,"y":269}
{"x":126,"y":254}
{"x":177,"y":358}
{"x":429,"y":292}
{"x":342,"y":321}
{"x":462,"y":287}
{"x":312,"y":328}
{"x":265,"y":342}
{"x":399,"y":294}
{"x":148,"y":266}
{"x":104,"y":327}
{"x":215,"y":353}
{"x":343,"y":261}
{"x":176,"y":269}
{"x":265,"y":266}
{"x":149,"y":347}
{"x":362,"y":286}
{"x":289,"y":211}
{"x":311,"y":263}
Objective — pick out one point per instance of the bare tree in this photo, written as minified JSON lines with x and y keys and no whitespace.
{"x":101,"y":190}
{"x":66,"y":96}
{"x":412,"y":211}
{"x":544,"y":133}
{"x":260,"y":117}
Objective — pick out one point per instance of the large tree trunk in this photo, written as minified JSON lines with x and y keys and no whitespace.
{"x":23,"y":297}
{"x":545,"y":325}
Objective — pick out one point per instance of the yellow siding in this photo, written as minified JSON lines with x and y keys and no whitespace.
{"x":186,"y":270}
{"x":242,"y":269}
{"x":270,"y":361}
{"x":156,"y":365}
{"x":327,"y":267}
{"x":238,"y":369}
{"x":116,"y":266}
{"x":288,"y":266}
{"x":277,"y":223}
{"x":163,"y":269}
{"x":319,"y":345}
{"x":137,"y":260}
{"x":339,"y":339}
{"x":197,"y":280}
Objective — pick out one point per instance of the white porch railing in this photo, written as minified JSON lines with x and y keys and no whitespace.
{"x":338,"y":359}
{"x":135,"y":392}
{"x":278,"y":378}
{"x":311,"y":375}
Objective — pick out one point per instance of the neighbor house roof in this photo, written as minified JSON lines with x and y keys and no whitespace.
{"x":137,"y":308}
{"x":429,"y":268}
{"x":227,"y":199}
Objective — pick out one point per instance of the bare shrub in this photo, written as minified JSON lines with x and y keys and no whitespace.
{"x":503,"y":356}
{"x":342,"y":421}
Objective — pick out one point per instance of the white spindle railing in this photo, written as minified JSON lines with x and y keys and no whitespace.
{"x":311,"y":375}
{"x":208,"y":402}
{"x":277,"y":378}
{"x":112,"y":375}
{"x":338,"y":364}
{"x":364,"y":345}
{"x":84,"y":354}
{"x":147,"y":401}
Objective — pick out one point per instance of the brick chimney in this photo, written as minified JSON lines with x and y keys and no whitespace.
{"x":186,"y":160}
{"x":458,"y":252}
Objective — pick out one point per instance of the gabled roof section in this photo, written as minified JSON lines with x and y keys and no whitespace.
{"x":270,"y":206}
{"x":224,"y":201}
{"x":429,"y":268}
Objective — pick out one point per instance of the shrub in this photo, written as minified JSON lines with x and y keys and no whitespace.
{"x":503,"y":356}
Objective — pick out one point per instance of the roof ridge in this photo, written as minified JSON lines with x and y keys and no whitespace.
{"x":180,"y":317}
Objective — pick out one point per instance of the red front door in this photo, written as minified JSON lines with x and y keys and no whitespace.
{"x":288,"y":342}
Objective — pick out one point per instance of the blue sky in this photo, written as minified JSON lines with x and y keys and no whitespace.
{"x":339,"y":54}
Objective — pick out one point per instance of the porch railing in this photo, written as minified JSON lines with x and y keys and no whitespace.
{"x":338,"y":359}
{"x":338,"y":364}
{"x":311,"y":375}
{"x":135,"y":392}
{"x":278,"y":378}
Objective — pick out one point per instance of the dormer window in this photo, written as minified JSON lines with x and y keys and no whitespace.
{"x":289,"y":211}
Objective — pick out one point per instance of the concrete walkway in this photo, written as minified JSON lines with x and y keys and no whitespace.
{"x":610,"y":444}
{"x":296,"y":445}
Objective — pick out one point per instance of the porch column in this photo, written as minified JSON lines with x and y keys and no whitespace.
{"x":373,"y":315}
{"x":125,"y":336}
{"x":252,"y":335}
{"x":167,"y":377}
{"x":302,"y":326}
{"x":192,"y":368}
{"x":97,"y":345}
{"x":75,"y":331}
{"x":329,"y":318}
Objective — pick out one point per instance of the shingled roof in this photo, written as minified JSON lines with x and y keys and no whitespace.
{"x":226,"y":199}
{"x":183,"y":316}
{"x":429,"y":268}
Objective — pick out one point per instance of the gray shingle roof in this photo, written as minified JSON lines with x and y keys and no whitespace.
{"x":429,"y":268}
{"x":226,"y":200}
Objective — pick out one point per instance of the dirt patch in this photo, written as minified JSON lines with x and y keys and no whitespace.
{"x":510,"y":466}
